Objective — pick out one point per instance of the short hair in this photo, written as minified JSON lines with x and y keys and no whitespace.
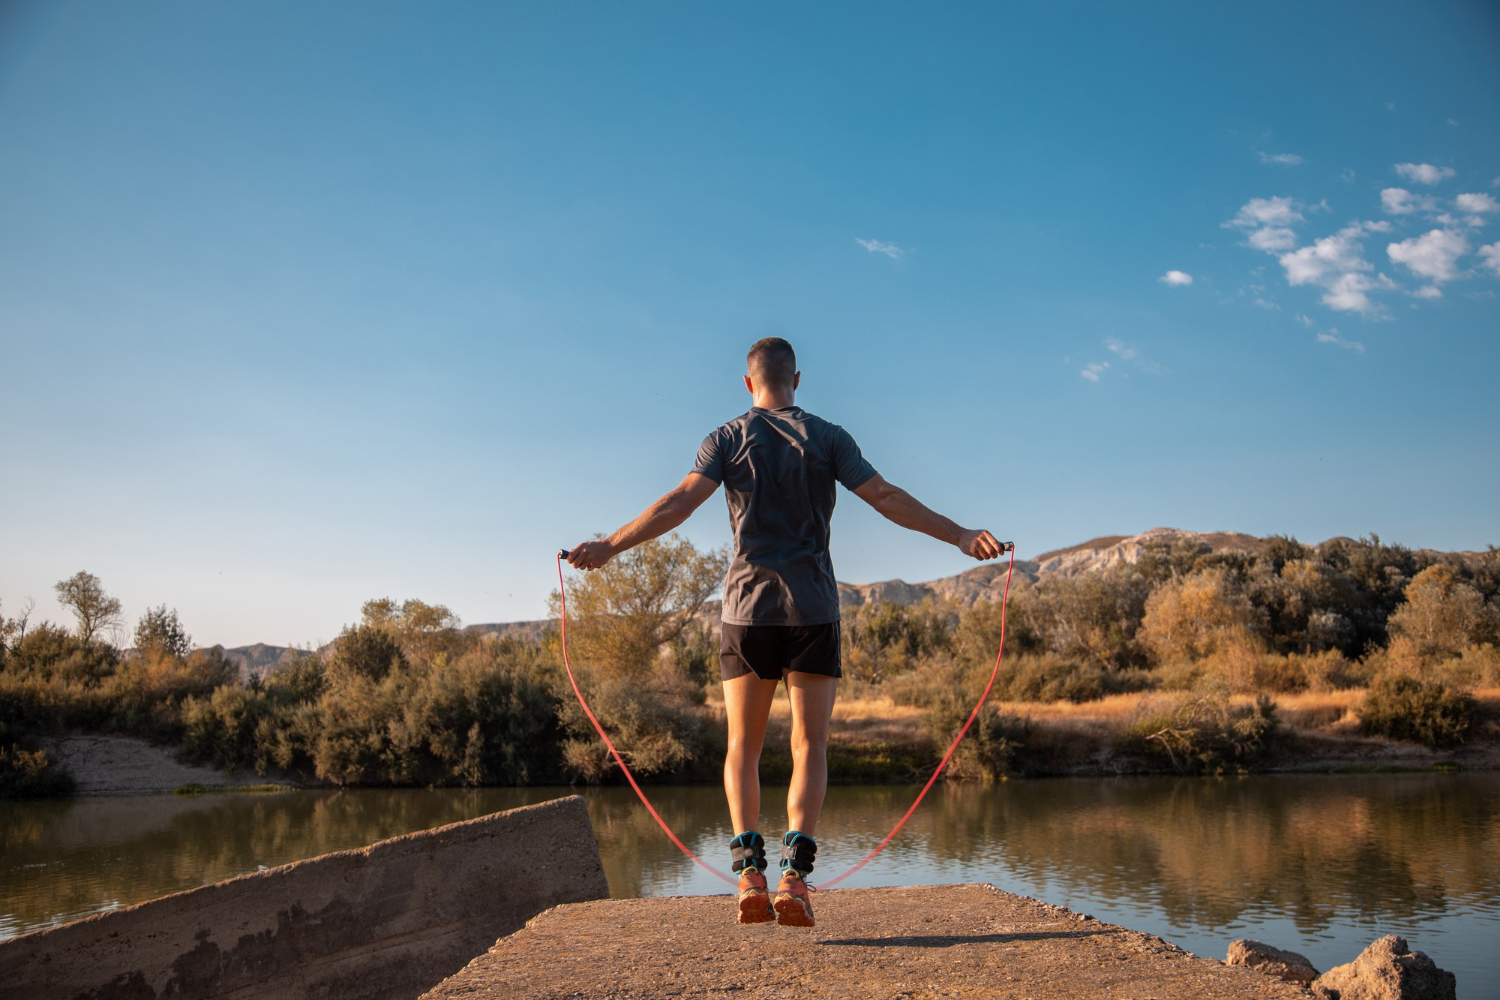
{"x":772,"y":362}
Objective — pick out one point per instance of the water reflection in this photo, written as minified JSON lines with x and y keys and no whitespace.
{"x":1321,"y":864}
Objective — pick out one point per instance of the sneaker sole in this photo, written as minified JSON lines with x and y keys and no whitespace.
{"x":756,"y":909}
{"x":792,"y":912}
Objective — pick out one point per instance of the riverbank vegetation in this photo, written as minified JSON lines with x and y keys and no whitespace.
{"x":1185,"y":661}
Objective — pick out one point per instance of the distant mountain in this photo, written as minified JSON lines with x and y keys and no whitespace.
{"x":982,"y":583}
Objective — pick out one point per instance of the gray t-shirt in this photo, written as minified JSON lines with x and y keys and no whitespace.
{"x":779,"y":468}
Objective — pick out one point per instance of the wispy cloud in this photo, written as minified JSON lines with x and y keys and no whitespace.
{"x":1272,"y":238}
{"x":891,"y":250}
{"x":1120,"y":349}
{"x":1332,"y":337}
{"x":1180,"y":278}
{"x":1399,"y":201}
{"x":1266,"y":212}
{"x":1433,"y":255}
{"x":1281,"y":159}
{"x":1093,"y":371}
{"x":1425,"y":173}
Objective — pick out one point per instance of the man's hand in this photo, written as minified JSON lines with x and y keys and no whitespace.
{"x":980,"y":544}
{"x":590,"y":555}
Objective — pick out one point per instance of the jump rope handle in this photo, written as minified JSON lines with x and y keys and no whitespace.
{"x":562,"y":553}
{"x":1004,"y":548}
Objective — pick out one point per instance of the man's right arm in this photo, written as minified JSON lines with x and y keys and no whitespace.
{"x":658,"y":519}
{"x":897,"y":505}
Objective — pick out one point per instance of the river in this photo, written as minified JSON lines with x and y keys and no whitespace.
{"x":1321,"y":864}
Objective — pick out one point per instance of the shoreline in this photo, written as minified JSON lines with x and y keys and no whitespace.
{"x":124,"y":765}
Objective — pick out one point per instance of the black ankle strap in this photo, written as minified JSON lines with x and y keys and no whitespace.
{"x":797,"y":853}
{"x":748,"y":850}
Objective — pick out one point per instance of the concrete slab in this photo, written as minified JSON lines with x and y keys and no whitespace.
{"x":933,"y":941}
{"x":382,"y":923}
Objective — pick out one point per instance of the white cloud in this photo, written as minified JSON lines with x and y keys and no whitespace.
{"x":891,"y":250}
{"x":1305,"y":320}
{"x":1491,"y":256}
{"x":1399,"y":201}
{"x":1337,"y":265}
{"x":1325,"y":258}
{"x":1424,"y":173}
{"x":1476,"y":203}
{"x":1120,"y":348}
{"x":1176,"y":278}
{"x":1093,"y":371}
{"x":1428,"y":292}
{"x":1350,"y":292}
{"x":1332,"y":337}
{"x":1281,"y":159}
{"x":1347,"y":175}
{"x":1258,"y":212}
{"x":1273,"y":238}
{"x":1433,"y":255}
{"x":1380,"y":226}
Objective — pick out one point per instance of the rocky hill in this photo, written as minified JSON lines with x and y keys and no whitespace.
{"x":982,"y":583}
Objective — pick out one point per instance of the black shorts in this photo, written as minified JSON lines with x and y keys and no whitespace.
{"x":769,"y":650}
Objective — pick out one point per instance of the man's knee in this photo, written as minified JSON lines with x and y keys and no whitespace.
{"x":804,"y":744}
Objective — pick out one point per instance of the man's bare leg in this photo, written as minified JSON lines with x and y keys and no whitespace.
{"x":812,"y":710}
{"x":747,"y":703}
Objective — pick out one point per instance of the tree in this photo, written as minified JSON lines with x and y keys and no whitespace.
{"x":1196,"y":616}
{"x":161,"y":630}
{"x":422,"y":630}
{"x":84,"y":595}
{"x":620,"y":616}
{"x":1442,"y":615}
{"x":365,"y":651}
{"x":13,"y":630}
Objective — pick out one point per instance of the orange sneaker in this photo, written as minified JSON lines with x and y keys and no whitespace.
{"x":793,"y":908}
{"x":755,"y":902}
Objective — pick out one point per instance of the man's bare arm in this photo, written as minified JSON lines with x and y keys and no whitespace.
{"x":658,"y":519}
{"x":899,"y":506}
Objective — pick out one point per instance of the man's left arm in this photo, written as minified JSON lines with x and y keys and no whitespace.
{"x":658,"y":519}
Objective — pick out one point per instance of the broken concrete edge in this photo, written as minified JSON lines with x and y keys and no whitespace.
{"x":388,"y":919}
{"x":369,"y":851}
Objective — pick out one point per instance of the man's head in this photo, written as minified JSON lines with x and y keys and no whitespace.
{"x":772,"y":365}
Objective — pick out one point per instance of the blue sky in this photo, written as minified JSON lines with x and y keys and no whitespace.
{"x":303,"y":304}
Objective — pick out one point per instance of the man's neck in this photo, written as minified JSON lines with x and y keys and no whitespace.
{"x":773,"y":400}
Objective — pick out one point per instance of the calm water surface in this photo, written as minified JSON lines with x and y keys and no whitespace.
{"x":1318,"y":864}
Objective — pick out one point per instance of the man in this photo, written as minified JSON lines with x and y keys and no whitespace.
{"x":778,"y":465}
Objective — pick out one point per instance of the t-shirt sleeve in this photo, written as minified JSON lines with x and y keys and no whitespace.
{"x":710,"y":461}
{"x":849,"y":465}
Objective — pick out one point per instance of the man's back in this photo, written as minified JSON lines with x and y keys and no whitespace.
{"x":780,"y":469}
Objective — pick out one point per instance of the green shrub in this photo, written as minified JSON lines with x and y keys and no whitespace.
{"x":1198,"y":732}
{"x":1426,"y":712}
{"x":222,"y":730}
{"x":656,"y":732}
{"x":989,"y":749}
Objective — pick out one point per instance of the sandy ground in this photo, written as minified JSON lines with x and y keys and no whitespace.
{"x":908,"y":943}
{"x":120,"y":765}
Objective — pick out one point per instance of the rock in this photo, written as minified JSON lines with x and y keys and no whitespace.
{"x":1288,"y":965}
{"x":1387,"y":970}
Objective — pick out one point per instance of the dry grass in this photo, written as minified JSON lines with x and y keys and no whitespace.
{"x":869,"y":716}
